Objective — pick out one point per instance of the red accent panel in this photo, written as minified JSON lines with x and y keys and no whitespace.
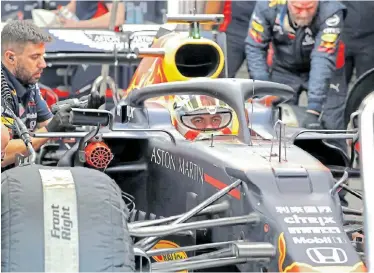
{"x":220,"y":185}
{"x":227,"y":12}
{"x":340,"y":57}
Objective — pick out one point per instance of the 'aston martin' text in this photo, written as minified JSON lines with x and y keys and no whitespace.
{"x":178,"y":164}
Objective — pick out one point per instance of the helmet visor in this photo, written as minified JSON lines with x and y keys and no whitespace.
{"x":206,"y":121}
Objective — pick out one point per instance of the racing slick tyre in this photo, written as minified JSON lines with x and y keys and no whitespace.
{"x":362,"y":87}
{"x":63,"y":219}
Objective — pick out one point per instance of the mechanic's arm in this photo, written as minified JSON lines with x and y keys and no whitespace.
{"x":71,"y":7}
{"x":103,"y":21}
{"x":17,"y":146}
{"x":323,"y":61}
{"x":212,"y":7}
{"x":257,"y":41}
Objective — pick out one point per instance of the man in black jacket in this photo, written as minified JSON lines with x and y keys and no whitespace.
{"x":235,"y":25}
{"x":306,"y":40}
{"x":358,"y":36}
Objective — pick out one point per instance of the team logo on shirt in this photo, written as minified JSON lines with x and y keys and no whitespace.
{"x":328,"y":43}
{"x":256,"y":29}
{"x":333,"y":21}
{"x":329,"y":37}
{"x":255,"y":35}
{"x":308,"y":39}
{"x":273,"y":3}
{"x":332,"y":30}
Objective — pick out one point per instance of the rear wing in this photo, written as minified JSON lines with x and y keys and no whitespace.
{"x":98,"y":47}
{"x":88,"y":46}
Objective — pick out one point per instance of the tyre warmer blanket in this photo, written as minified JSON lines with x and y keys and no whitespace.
{"x":63,"y":219}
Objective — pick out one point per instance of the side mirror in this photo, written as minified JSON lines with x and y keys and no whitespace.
{"x":90,"y":117}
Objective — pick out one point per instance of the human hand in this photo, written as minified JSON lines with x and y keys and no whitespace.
{"x":68,"y":23}
{"x":312,"y":120}
{"x":61,"y":121}
{"x":94,"y":100}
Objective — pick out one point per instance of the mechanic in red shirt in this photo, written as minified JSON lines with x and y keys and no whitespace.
{"x":94,"y":14}
{"x":235,"y":25}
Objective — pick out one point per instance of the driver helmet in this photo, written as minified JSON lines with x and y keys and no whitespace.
{"x":199,"y":116}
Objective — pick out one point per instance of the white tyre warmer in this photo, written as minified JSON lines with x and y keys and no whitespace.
{"x":63,"y":219}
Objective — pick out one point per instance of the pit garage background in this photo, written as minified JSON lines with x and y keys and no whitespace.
{"x":71,"y":80}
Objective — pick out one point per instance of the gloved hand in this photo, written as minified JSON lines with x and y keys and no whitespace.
{"x":312,"y":121}
{"x":94,"y":100}
{"x":60,"y":121}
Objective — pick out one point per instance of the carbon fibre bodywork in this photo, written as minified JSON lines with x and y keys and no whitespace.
{"x":286,"y":186}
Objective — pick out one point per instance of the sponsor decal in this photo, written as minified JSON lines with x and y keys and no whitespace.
{"x":273,"y":3}
{"x":257,"y":26}
{"x":333,"y":21}
{"x":256,"y":18}
{"x":178,"y":164}
{"x":327,"y":255}
{"x":173,"y":256}
{"x":314,"y":230}
{"x":10,"y":7}
{"x":317,"y":221}
{"x":256,"y":29}
{"x":308,"y":39}
{"x":142,"y":39}
{"x":295,"y":219}
{"x":335,"y":87}
{"x":188,"y":168}
{"x":97,"y":39}
{"x":329,"y":38}
{"x":332,"y":255}
{"x":331,"y":30}
{"x":255,"y":35}
{"x":327,"y":47}
{"x":318,"y":240}
{"x":303,"y":209}
{"x":8,"y":122}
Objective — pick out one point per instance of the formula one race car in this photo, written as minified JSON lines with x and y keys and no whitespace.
{"x":260,"y":205}
{"x":224,"y":197}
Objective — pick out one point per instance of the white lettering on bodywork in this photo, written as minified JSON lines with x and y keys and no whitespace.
{"x":178,"y":164}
